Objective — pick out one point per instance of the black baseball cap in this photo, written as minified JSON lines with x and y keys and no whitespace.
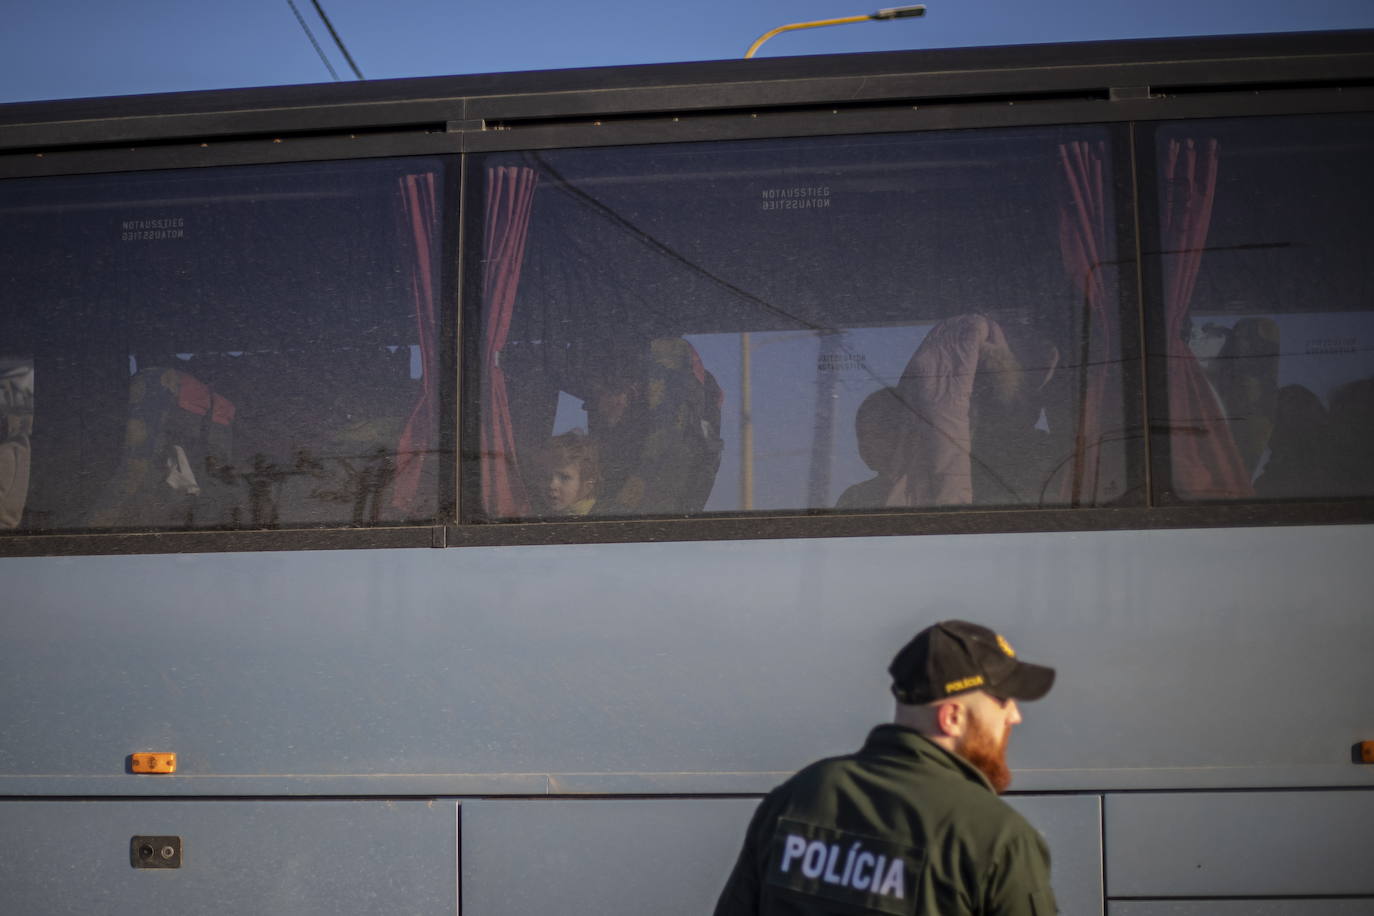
{"x":955,"y":657}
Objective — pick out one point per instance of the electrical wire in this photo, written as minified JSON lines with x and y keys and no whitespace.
{"x":311,"y":35}
{"x":337,"y":40}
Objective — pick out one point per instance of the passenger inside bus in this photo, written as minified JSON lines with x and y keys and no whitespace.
{"x":571,"y":469}
{"x":979,"y":407}
{"x":656,"y":417}
{"x":1292,"y":442}
{"x":881,"y":424}
{"x":1021,"y":419}
{"x":1352,"y":418}
{"x":1299,"y":448}
{"x":1245,"y":376}
{"x":16,"y":426}
{"x":177,"y":426}
{"x":257,"y":439}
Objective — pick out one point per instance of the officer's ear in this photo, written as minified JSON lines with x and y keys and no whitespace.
{"x":952,"y":717}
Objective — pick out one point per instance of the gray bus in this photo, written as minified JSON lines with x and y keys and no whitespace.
{"x":472,"y":494}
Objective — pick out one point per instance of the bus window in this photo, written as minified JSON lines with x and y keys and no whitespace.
{"x":715,"y":314}
{"x":246,"y":347}
{"x":1264,"y":308}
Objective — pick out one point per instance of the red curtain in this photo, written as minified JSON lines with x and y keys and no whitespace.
{"x":1083,"y":244}
{"x":1205,"y":463}
{"x":415,"y":447}
{"x":510,"y":193}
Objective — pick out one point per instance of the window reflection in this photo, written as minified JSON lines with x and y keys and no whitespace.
{"x":714,"y":315}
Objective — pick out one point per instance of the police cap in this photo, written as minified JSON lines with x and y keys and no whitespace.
{"x":957,"y":656}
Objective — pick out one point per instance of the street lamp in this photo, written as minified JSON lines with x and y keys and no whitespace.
{"x":896,"y":12}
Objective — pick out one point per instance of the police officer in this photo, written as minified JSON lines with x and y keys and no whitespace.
{"x":911,"y":824}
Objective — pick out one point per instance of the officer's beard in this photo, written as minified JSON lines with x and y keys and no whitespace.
{"x":985,"y":752}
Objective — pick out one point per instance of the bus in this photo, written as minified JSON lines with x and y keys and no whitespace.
{"x":472,"y":494}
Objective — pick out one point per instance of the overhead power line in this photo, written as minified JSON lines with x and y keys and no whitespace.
{"x":337,"y":40}
{"x":311,"y":35}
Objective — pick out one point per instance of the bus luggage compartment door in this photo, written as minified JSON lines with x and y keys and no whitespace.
{"x":302,"y":857}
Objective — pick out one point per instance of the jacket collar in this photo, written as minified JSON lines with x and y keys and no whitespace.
{"x":898,"y":741}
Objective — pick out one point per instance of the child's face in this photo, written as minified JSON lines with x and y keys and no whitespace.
{"x":567,"y":487}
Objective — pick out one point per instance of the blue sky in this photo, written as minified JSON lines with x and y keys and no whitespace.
{"x":78,"y":48}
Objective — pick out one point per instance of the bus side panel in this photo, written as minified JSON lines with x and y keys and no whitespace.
{"x":1243,"y":844}
{"x":609,"y":857}
{"x":1072,"y":825}
{"x":302,"y":857}
{"x":1255,"y":907}
{"x":714,"y":667}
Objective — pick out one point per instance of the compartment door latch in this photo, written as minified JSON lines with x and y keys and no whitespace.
{"x":155,"y":852}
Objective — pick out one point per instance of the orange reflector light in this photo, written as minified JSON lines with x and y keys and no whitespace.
{"x":1367,"y":751}
{"x":153,"y":763}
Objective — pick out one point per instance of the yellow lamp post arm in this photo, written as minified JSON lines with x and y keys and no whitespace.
{"x":897,"y":12}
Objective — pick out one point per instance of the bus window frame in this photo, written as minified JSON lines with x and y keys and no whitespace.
{"x":1110,"y":83}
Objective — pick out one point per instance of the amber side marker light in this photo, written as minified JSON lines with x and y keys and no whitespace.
{"x":153,"y":763}
{"x":1367,"y":751}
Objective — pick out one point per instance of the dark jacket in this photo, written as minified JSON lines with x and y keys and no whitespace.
{"x":901,"y":827}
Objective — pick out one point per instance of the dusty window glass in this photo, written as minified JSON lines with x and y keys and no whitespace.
{"x":1262,"y":293}
{"x":852,"y":323}
{"x":220,"y":348}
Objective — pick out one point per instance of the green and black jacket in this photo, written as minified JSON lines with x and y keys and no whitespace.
{"x":901,"y":827}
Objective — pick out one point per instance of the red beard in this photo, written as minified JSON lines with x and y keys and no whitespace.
{"x":986,"y":753}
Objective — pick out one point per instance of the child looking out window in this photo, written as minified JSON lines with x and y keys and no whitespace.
{"x":571,"y":468}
